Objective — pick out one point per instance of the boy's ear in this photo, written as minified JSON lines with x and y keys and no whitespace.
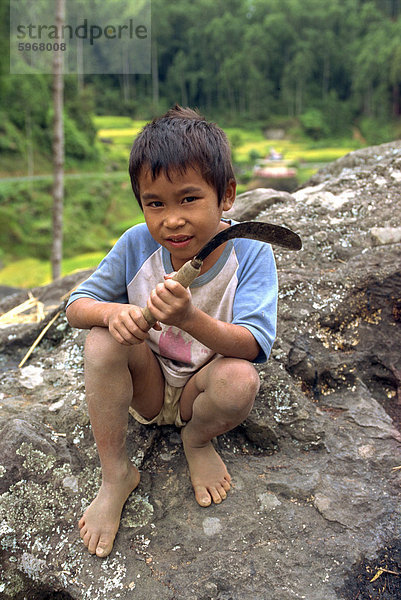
{"x":229,"y":195}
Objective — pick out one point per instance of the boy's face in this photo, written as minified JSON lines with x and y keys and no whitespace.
{"x":182,"y":213}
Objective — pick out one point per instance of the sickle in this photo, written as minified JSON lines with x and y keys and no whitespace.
{"x":254,"y":230}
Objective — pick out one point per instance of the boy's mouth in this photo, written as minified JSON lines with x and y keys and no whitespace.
{"x":179,"y":241}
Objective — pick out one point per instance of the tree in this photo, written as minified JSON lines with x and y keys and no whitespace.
{"x":58,"y":151}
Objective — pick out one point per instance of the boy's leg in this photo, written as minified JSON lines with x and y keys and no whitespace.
{"x":115,"y":377}
{"x":215,"y":400}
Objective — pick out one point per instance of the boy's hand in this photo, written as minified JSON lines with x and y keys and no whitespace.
{"x":128,"y":325}
{"x":171,"y":303}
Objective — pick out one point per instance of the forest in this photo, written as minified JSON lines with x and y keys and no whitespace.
{"x":330,"y":64}
{"x":321,"y":70}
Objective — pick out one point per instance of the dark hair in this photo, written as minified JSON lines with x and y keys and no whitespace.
{"x":180,"y":139}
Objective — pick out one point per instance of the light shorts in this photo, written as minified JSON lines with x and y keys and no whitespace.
{"x":170,"y":411}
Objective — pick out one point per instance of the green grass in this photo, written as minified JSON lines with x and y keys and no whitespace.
{"x":116,"y":135}
{"x":293,"y":151}
{"x":117,"y":122}
{"x":305,"y":173}
{"x":32,"y":272}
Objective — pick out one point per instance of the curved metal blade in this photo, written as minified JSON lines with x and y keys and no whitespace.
{"x":264,"y":232}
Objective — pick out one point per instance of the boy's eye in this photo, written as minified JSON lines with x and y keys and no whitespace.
{"x":189,"y":199}
{"x":155,"y":204}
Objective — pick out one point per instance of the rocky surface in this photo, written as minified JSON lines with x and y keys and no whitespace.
{"x":316,"y":484}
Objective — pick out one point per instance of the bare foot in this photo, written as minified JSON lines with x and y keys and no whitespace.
{"x":99,"y":523}
{"x":209,"y":476}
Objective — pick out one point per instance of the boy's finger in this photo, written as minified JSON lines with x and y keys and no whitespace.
{"x":157,"y":326}
{"x":159,"y":307}
{"x":173,"y":286}
{"x":132,"y":337}
{"x":155,"y":304}
{"x":161,"y":295}
{"x":119,"y":337}
{"x":139,"y":320}
{"x":170,"y":275}
{"x":129,"y":329}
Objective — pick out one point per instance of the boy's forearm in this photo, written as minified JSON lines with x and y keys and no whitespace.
{"x":224,"y":338}
{"x":85,"y":313}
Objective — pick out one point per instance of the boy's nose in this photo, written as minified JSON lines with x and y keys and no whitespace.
{"x":174,"y":219}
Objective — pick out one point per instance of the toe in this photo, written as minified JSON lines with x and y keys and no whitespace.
{"x":83,"y":531}
{"x":104,"y":546}
{"x":86,"y":538}
{"x":216,"y":496}
{"x":226,"y":483}
{"x":202,"y":496}
{"x":92,"y":543}
{"x":222,"y":492}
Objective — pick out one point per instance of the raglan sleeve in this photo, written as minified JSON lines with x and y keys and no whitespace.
{"x":255,"y":302}
{"x":108,"y":282}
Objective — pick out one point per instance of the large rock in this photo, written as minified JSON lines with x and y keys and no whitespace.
{"x":316,"y":483}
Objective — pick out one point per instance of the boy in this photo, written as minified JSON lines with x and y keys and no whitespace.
{"x":193,"y":368}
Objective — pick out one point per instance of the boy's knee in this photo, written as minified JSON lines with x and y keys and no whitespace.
{"x":101,"y":348}
{"x":239,"y":380}
{"x":240,"y":373}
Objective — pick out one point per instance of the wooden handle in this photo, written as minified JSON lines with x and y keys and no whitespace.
{"x":185,"y":276}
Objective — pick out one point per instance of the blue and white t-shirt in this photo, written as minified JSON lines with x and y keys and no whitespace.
{"x":240,"y":288}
